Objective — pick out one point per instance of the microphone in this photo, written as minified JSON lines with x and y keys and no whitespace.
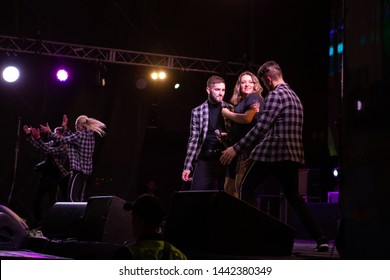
{"x":220,"y":137}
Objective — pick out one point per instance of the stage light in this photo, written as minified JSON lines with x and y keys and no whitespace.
{"x":176,"y":86}
{"x":162,"y":75}
{"x":11,"y":74}
{"x":336,"y":172}
{"x":154,"y":76}
{"x":158,"y":76}
{"x":359,"y":105}
{"x":101,"y":75}
{"x":62,"y":75}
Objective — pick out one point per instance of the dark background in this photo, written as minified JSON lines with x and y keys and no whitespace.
{"x":148,"y":128}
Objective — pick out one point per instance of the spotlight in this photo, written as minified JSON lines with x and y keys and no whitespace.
{"x":359,"y":105}
{"x":11,"y":74}
{"x":62,"y":75}
{"x":154,"y":76}
{"x":158,"y":76}
{"x":162,"y":75}
{"x":336,"y":172}
{"x":176,"y":86}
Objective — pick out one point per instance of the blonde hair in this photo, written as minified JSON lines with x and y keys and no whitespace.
{"x":91,"y":124}
{"x":236,"y":96}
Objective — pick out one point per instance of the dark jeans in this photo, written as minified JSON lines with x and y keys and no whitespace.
{"x":209,"y":174}
{"x":287,"y":175}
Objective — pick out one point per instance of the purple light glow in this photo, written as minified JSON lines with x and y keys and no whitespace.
{"x":62,"y":75}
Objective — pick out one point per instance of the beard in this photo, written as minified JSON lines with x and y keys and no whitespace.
{"x":215,"y":100}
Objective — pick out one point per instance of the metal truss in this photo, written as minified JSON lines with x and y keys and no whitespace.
{"x":116,"y":56}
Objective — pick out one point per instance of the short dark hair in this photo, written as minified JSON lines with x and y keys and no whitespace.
{"x":148,"y":207}
{"x":215,"y":80}
{"x":270,"y":67}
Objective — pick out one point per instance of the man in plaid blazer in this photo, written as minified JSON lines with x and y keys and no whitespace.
{"x":208,"y":131}
{"x":276,"y":148}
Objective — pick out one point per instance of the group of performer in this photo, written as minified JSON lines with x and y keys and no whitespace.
{"x":233,"y":146}
{"x":68,"y":160}
{"x":249,"y":139}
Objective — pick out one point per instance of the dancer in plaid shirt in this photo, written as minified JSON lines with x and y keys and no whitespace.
{"x":276,"y":148}
{"x":52,"y":170}
{"x":80,"y":152}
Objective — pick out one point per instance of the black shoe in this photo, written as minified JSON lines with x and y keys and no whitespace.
{"x":322,"y":246}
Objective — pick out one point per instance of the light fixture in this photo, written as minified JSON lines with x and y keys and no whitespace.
{"x":62,"y":75}
{"x":336,"y":172}
{"x":11,"y":74}
{"x":161,"y":75}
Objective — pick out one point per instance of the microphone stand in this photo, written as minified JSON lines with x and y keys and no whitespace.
{"x":15,"y":161}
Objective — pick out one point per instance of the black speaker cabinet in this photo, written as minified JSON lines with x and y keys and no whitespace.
{"x":13,"y":229}
{"x":105,"y":220}
{"x":64,"y":220}
{"x":217,"y":223}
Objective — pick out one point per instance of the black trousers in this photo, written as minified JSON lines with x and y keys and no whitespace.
{"x":48,"y":184}
{"x":76,"y":186}
{"x":287,"y":175}
{"x":209,"y":174}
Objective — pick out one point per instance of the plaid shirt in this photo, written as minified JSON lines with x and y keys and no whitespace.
{"x":198,"y":132}
{"x":57,"y":153}
{"x":278,"y":134}
{"x":80,"y":150}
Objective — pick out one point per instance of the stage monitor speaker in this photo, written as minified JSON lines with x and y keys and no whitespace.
{"x":13,"y":229}
{"x":215,"y":222}
{"x":64,"y":220}
{"x":105,"y":220}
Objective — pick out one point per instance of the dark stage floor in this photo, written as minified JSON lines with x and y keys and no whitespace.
{"x":302,"y":250}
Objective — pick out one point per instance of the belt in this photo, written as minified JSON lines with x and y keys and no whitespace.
{"x":213,"y":151}
{"x":210,"y":153}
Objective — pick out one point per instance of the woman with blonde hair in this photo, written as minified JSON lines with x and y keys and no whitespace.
{"x":248,"y":102}
{"x":80,"y":152}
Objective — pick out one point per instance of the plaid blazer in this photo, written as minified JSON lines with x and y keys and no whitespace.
{"x":198,"y":130}
{"x":277,"y":136}
{"x":57,"y":153}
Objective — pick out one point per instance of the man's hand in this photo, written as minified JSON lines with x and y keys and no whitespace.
{"x":64,"y":121}
{"x":26,"y":129}
{"x":185,"y":176}
{"x":45,"y":128}
{"x":35,"y":133}
{"x":227,"y":156}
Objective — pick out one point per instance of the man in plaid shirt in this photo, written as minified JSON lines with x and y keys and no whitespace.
{"x":205,"y":145}
{"x":53,"y":170}
{"x":276,"y":148}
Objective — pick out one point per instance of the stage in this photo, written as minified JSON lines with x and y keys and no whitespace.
{"x":302,"y":250}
